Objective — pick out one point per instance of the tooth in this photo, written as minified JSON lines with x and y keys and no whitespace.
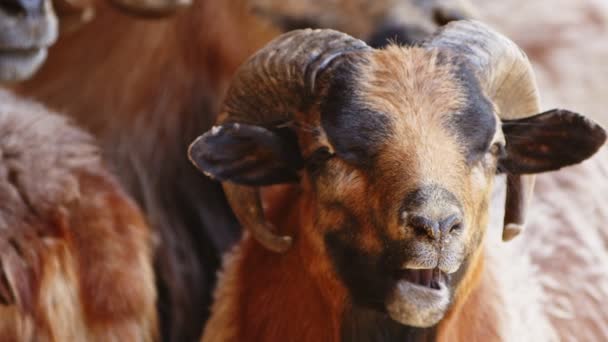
{"x":428,"y":276}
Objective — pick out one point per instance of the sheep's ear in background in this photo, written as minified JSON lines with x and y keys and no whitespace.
{"x":543,"y":142}
{"x":549,"y":141}
{"x":247,"y":154}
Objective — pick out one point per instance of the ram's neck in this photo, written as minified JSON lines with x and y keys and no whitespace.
{"x":264,"y":296}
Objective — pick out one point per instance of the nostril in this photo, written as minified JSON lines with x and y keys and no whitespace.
{"x":22,"y":7}
{"x":434,"y":229}
{"x":11,"y":7}
{"x":451,"y":224}
{"x":424,"y":226}
{"x":456,"y":227}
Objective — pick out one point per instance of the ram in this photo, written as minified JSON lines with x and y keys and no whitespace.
{"x":146,"y":88}
{"x":75,"y":251}
{"x":391,"y":155}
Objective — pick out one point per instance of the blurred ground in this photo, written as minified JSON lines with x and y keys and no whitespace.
{"x":567,"y":41}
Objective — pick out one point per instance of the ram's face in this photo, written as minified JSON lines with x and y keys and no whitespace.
{"x":402,"y":203}
{"x":27,"y":29}
{"x":375,"y":21}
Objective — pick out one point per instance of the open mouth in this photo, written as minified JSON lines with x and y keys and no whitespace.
{"x":420,"y":297}
{"x":430,"y":278}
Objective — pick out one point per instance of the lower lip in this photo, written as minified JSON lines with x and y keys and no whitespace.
{"x":417,"y":305}
{"x":20,"y":53}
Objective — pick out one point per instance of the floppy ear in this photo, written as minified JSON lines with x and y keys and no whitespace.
{"x":247,"y":154}
{"x":543,"y":142}
{"x":549,"y":141}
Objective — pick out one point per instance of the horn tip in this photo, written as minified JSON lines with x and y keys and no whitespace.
{"x":281,"y":245}
{"x":511,"y":230}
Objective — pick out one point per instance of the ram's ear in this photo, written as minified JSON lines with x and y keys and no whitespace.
{"x":247,"y":154}
{"x":549,"y":141}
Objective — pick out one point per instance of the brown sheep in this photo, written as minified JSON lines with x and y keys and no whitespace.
{"x":75,"y":251}
{"x":393,"y":153}
{"x":156,"y":84}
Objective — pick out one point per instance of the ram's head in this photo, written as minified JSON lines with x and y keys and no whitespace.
{"x":397,"y":149}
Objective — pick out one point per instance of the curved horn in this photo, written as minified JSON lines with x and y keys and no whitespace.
{"x":247,"y":206}
{"x":506,"y":76}
{"x":269,"y":90}
{"x":262,"y":92}
{"x":150,"y":8}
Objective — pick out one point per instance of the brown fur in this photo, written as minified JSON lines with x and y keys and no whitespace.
{"x":76,"y":252}
{"x":362,"y":208}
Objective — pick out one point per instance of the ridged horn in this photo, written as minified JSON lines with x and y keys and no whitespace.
{"x":279,"y":81}
{"x":506,"y":76}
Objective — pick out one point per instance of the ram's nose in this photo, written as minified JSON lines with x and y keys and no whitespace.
{"x":435,"y":229}
{"x":31,"y":8}
{"x":431,"y":212}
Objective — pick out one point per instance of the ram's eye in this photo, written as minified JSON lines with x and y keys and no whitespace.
{"x":318,"y":158}
{"x":498,"y":150}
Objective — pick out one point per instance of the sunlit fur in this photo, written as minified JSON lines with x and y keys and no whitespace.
{"x":75,"y":251}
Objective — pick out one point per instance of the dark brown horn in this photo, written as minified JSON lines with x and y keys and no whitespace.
{"x":269,"y":90}
{"x":508,"y":80}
